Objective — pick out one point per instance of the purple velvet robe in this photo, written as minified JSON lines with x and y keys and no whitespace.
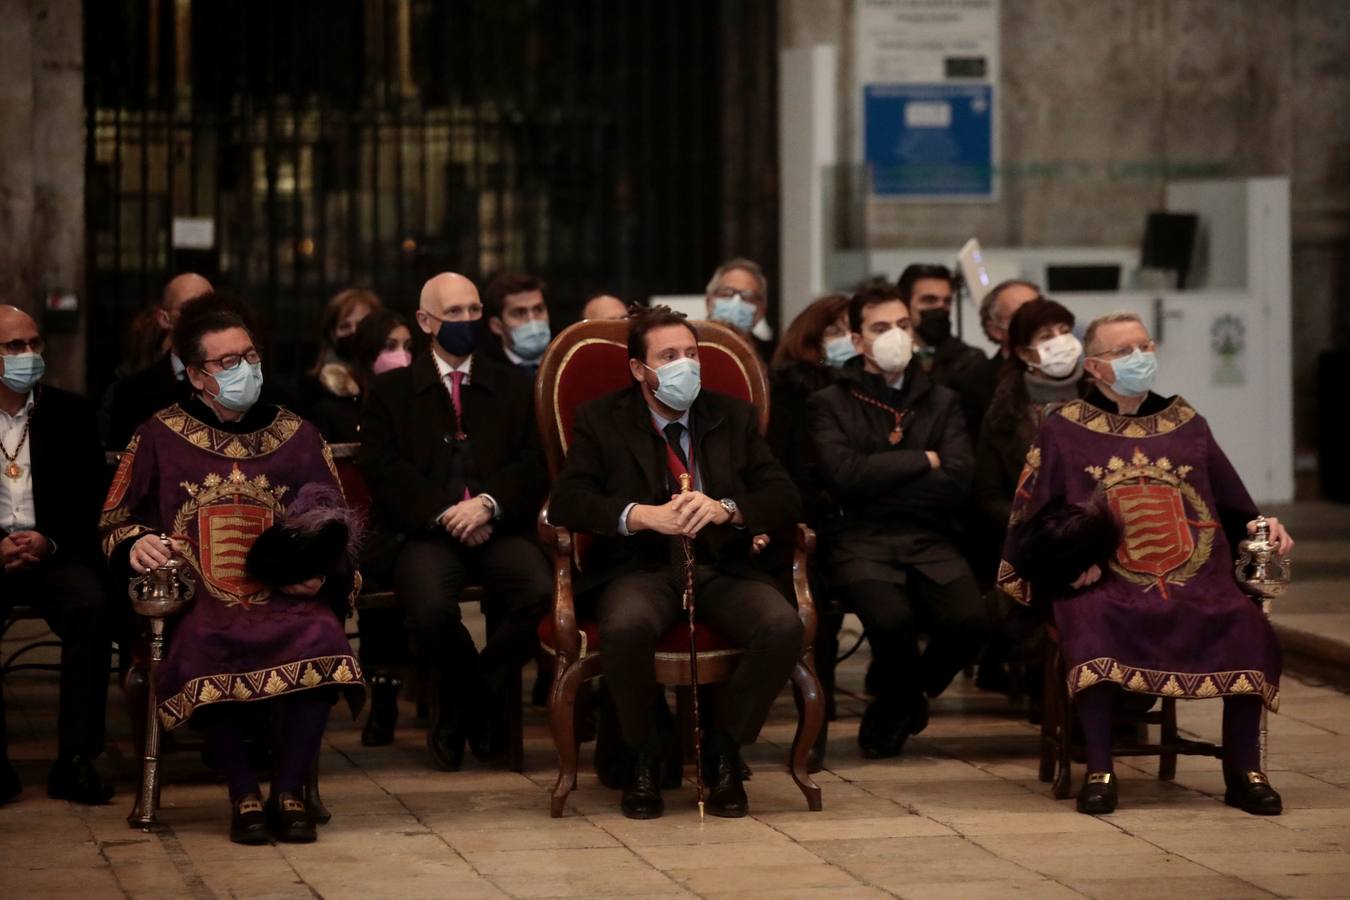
{"x":215,"y":492}
{"x":1167,"y":616}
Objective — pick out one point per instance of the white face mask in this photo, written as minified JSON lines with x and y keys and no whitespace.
{"x":892,"y":351}
{"x":1059,"y":355}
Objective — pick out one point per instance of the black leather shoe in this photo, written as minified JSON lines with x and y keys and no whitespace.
{"x":10,"y":786}
{"x":722,"y":781}
{"x":885,"y":727}
{"x":379,"y":730}
{"x":1251,"y":792}
{"x":290,"y":821}
{"x":1098,"y":794}
{"x":77,"y":780}
{"x":642,"y":796}
{"x":248,"y":822}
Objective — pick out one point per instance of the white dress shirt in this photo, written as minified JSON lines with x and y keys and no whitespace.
{"x":17,"y":512}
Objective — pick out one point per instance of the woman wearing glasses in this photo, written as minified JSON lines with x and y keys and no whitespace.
{"x":207,"y":480}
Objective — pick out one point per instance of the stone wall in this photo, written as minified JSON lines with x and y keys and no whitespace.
{"x":1102,"y":99}
{"x":42,"y":150}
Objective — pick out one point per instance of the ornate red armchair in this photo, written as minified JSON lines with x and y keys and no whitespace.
{"x":589,"y":360}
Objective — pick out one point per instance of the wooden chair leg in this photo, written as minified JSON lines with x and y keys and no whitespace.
{"x":317,"y":810}
{"x":809,"y":721}
{"x":1049,"y":721}
{"x":515,"y":725}
{"x":562,"y":721}
{"x":1167,"y":760}
{"x":1064,"y":729}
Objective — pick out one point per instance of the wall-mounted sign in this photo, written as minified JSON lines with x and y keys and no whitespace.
{"x":927,"y":74}
{"x":194,"y":232}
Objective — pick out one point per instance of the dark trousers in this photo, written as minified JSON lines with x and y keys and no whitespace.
{"x":304,"y":715}
{"x":953,"y":615}
{"x":71,"y":598}
{"x":429,"y":577}
{"x":634,"y":610}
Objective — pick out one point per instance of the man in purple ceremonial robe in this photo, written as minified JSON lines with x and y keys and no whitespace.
{"x":1151,"y":607}
{"x":212,"y":475}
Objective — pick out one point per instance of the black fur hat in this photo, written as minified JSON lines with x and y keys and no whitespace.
{"x":320,"y":536}
{"x":1063,"y":541}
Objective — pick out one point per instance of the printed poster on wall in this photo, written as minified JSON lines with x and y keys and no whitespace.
{"x":927,"y":73}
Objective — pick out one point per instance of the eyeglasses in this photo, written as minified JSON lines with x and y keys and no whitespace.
{"x":230,"y":360}
{"x":19,"y":345}
{"x":728,"y":293}
{"x":1118,"y":352}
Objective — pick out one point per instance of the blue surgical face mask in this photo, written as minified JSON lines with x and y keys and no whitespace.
{"x":239,"y":387}
{"x":839,"y":350}
{"x":733,"y":311}
{"x":22,"y":371}
{"x":456,"y":338}
{"x":679,"y":383}
{"x":530,"y":339}
{"x":1135,"y":373}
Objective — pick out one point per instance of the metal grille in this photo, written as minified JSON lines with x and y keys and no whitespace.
{"x":375,"y":142}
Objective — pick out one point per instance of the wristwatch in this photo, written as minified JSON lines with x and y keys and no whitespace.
{"x":730,"y":506}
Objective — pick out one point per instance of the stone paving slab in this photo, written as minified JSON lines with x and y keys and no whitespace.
{"x":961,"y":815}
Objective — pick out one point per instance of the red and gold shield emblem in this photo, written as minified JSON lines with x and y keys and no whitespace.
{"x":226,"y":532}
{"x":1157,"y":538}
{"x":117,"y":491}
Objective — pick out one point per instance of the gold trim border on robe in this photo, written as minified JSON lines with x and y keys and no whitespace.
{"x":231,"y":446}
{"x":1085,"y":415}
{"x":241,"y":687}
{"x":1179,"y":685}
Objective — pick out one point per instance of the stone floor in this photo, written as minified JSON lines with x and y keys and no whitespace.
{"x":961,"y":815}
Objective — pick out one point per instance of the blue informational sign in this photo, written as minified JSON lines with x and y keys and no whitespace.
{"x":929,"y":140}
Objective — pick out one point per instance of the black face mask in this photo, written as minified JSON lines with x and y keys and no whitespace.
{"x":345,"y":347}
{"x":935,"y":326}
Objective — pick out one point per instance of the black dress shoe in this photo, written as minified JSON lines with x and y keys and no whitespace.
{"x":77,"y":780}
{"x":290,"y":820}
{"x":722,"y":781}
{"x":642,"y":796}
{"x":248,"y":822}
{"x":1251,"y":792}
{"x":446,"y":746}
{"x":10,"y":786}
{"x":1098,"y":795}
{"x":885,"y":727}
{"x":379,"y":730}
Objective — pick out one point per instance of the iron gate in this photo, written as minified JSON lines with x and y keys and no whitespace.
{"x":374,"y":142}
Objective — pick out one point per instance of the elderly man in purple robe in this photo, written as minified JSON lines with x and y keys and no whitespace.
{"x":1126,"y":521}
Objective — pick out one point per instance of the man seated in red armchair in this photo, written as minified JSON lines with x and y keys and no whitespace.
{"x":619,"y":483}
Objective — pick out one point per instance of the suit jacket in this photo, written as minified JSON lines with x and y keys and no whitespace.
{"x":415,"y":463}
{"x":617,"y":458}
{"x":138,"y":397}
{"x":70,"y":477}
{"x":896,"y":508}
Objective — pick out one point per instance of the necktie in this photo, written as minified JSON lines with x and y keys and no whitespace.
{"x":674,"y":431}
{"x":456,"y":380}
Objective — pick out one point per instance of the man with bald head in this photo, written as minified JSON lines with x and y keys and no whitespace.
{"x":138,"y":397}
{"x":51,"y":488}
{"x":451,"y":453}
{"x":604,"y":306}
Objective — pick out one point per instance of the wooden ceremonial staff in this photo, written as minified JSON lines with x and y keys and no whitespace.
{"x":686,"y":484}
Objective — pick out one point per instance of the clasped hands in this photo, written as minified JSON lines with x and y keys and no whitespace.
{"x":468,"y":521}
{"x":685,"y":515}
{"x":153,"y":551}
{"x":22,"y":550}
{"x":1279,"y":535}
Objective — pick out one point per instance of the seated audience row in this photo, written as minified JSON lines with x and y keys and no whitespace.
{"x":875,"y":404}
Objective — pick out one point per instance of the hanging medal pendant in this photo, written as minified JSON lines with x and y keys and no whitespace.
{"x":461,"y":436}
{"x":14,"y":470}
{"x":896,"y":436}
